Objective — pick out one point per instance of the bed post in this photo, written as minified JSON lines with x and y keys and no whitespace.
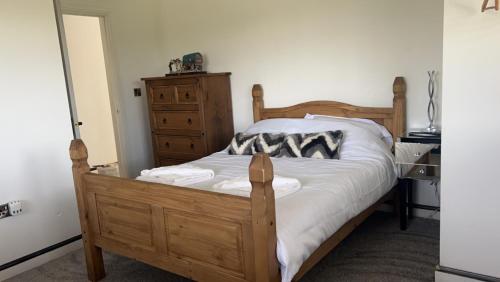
{"x":399,"y":107}
{"x":258,"y":102}
{"x":93,"y":254}
{"x":263,"y":219}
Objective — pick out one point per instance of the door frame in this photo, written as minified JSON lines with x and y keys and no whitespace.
{"x":111,"y":73}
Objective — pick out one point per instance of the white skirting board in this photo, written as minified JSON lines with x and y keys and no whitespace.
{"x":448,"y":274}
{"x":447,"y":277}
{"x":37,"y":261}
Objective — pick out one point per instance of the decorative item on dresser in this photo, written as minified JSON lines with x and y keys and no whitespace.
{"x":431,"y":108}
{"x":190,"y":64}
{"x":191,"y":116}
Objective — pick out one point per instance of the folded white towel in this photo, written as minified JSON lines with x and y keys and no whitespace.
{"x":241,"y":186}
{"x":179,"y":175}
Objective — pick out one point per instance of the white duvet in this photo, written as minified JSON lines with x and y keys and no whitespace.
{"x":332,"y":191}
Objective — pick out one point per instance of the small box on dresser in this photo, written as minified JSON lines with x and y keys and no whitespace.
{"x":190,"y":115}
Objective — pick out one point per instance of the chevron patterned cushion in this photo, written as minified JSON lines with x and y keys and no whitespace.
{"x":291,"y":146}
{"x":322,"y":145}
{"x":269,"y":143}
{"x":242,"y":144}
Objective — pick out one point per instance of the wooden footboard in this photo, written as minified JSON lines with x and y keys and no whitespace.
{"x":205,"y":236}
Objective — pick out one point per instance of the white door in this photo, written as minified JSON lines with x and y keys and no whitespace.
{"x":92,"y":105}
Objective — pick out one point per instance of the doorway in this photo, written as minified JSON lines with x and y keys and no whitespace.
{"x":93,"y":112}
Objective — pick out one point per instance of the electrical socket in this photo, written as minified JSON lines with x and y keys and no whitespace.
{"x":4,"y":210}
{"x":15,"y":208}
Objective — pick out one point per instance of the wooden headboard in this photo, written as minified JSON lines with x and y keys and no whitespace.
{"x":394,"y":119}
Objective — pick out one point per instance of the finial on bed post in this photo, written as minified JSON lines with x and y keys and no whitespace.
{"x":258,"y":102}
{"x":399,"y":107}
{"x":78,"y":154}
{"x":93,"y":255}
{"x":263,"y":219}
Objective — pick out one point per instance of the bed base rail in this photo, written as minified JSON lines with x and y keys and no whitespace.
{"x":205,"y":236}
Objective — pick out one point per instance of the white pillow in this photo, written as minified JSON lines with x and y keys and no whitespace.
{"x":358,"y":143}
{"x":375,"y":128}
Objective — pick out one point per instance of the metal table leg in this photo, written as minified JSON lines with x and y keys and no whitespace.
{"x":409,"y":184}
{"x":403,"y":194}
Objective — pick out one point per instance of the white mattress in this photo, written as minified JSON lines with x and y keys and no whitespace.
{"x":333,"y":192}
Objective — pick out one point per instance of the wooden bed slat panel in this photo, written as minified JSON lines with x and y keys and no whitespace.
{"x":203,"y":272}
{"x":92,"y":214}
{"x":125,"y":221}
{"x":159,"y":229}
{"x":219,"y":243}
{"x":176,"y":198}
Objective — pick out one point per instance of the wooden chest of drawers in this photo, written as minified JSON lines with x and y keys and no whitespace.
{"x":190,"y":115}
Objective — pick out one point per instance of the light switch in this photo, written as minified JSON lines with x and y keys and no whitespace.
{"x":137,"y":92}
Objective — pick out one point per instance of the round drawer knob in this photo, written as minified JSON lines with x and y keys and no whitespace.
{"x":187,"y":95}
{"x":167,"y":145}
{"x":164,"y":120}
{"x":192,"y":146}
{"x":161,"y":96}
{"x":190,"y":121}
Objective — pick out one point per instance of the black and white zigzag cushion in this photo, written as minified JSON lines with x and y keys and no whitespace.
{"x":322,"y":145}
{"x":242,"y":144}
{"x":291,"y":146}
{"x":269,"y":143}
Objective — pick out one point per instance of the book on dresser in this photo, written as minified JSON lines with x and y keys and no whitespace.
{"x":190,"y":115}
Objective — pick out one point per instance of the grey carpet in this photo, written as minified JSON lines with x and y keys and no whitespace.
{"x":376,"y":251}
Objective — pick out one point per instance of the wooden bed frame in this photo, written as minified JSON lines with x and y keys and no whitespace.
{"x":202,"y":235}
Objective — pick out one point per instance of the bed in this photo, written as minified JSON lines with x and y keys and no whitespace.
{"x":210,"y":236}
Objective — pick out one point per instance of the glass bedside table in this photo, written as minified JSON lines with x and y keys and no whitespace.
{"x":417,"y":158}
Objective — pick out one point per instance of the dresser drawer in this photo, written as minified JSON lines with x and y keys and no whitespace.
{"x":166,"y":159}
{"x":186,"y":94}
{"x":162,"y":95}
{"x":168,"y":144}
{"x":417,"y":153}
{"x":419,"y":161}
{"x":169,"y":162}
{"x":177,"y":120}
{"x":420,"y":172}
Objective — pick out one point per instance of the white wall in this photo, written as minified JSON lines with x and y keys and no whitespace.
{"x":35,"y":131}
{"x":470,"y":223}
{"x":90,"y":85}
{"x":312,"y":50}
{"x":135,"y":45}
